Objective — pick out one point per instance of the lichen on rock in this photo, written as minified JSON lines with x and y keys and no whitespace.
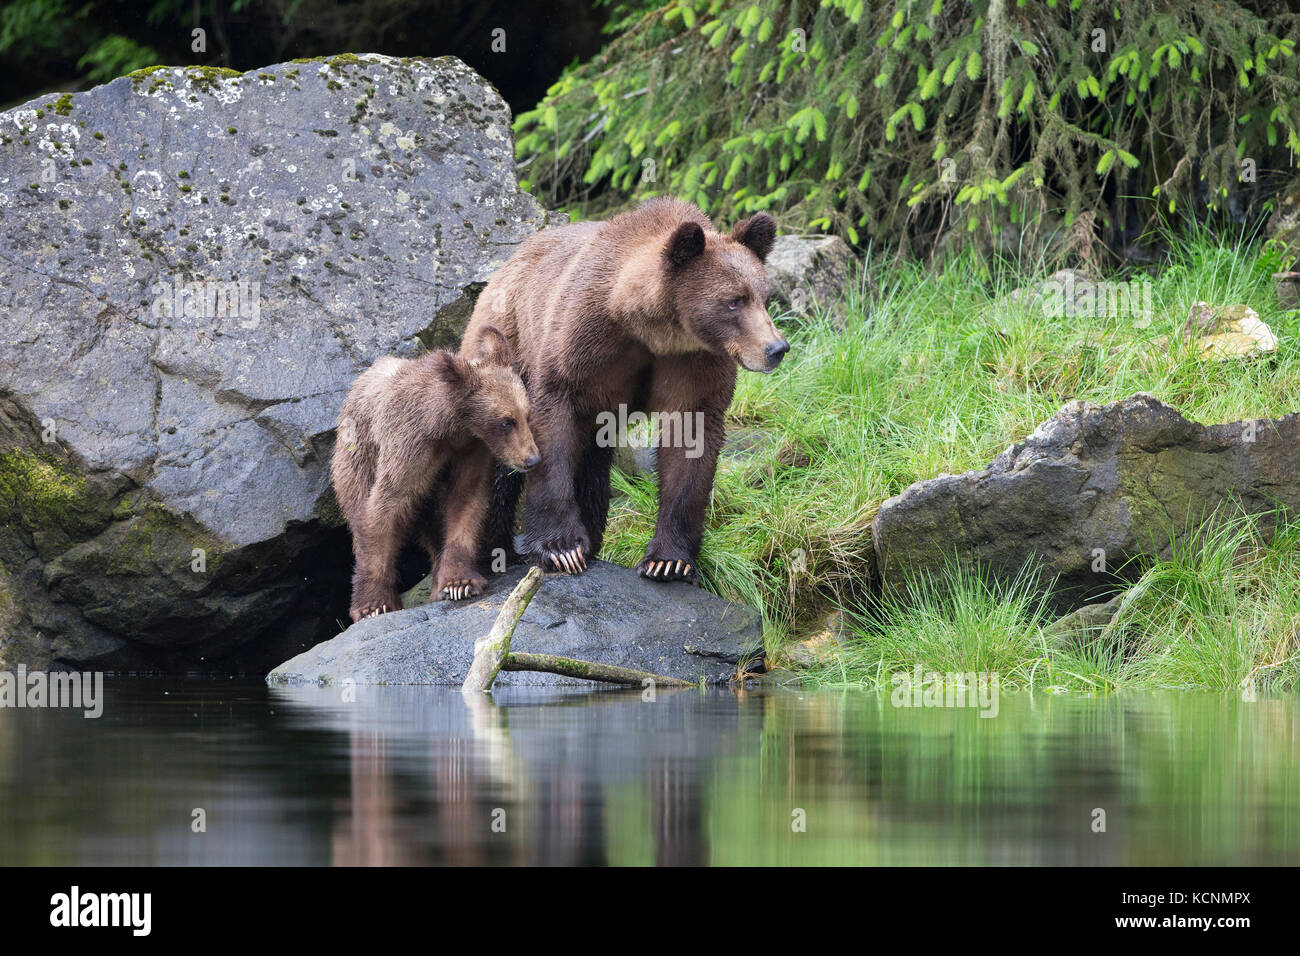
{"x":188,"y":298}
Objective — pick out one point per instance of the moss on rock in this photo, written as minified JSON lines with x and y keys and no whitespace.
{"x":37,"y":492}
{"x":201,"y":78}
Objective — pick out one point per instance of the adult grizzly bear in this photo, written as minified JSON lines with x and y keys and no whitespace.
{"x":652,"y":310}
{"x":418,"y":440}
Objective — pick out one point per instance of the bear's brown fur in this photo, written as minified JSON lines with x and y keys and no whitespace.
{"x":653,"y":310}
{"x":413,"y":460}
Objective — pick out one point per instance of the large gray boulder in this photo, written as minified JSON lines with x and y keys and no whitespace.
{"x":609,"y":614}
{"x":194,"y":265}
{"x":808,"y":272}
{"x":1092,"y":487}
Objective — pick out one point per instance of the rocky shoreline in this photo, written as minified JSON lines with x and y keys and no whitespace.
{"x":218,"y":255}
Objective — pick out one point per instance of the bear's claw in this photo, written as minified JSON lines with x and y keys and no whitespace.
{"x":665,"y":570}
{"x":459,"y":590}
{"x":372,"y":611}
{"x":572,"y":561}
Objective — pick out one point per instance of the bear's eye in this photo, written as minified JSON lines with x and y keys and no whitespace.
{"x":507,"y":425}
{"x":734,"y":304}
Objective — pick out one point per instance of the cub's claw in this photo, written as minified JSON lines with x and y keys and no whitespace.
{"x":371,"y":611}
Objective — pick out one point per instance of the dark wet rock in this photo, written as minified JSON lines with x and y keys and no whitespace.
{"x":610,"y":615}
{"x":163,"y":461}
{"x":810,"y":271}
{"x":1090,"y":489}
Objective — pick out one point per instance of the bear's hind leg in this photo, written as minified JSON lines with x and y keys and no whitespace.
{"x":374,"y":581}
{"x":465,"y":508}
{"x":691,"y":395}
{"x":391,"y":510}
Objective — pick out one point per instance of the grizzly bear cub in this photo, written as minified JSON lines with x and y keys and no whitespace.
{"x":417,"y":444}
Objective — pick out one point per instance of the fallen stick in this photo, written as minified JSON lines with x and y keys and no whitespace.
{"x":587,"y":670}
{"x":492,"y":653}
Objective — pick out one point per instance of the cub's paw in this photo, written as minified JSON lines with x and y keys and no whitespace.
{"x":657,"y":567}
{"x":460,"y":585}
{"x":372,"y":610}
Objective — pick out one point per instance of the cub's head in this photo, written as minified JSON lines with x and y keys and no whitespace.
{"x":491,"y":397}
{"x":719,"y":290}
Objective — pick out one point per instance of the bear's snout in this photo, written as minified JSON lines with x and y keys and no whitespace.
{"x":524,"y":459}
{"x":775,"y":352}
{"x":755,"y":342}
{"x":763,"y":357}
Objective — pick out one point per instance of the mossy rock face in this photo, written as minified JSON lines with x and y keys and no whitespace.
{"x":1090,"y":489}
{"x":37,"y":492}
{"x":190,"y":310}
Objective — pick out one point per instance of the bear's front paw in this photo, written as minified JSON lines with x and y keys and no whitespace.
{"x":458,"y":585}
{"x":572,"y":561}
{"x":662,"y":564}
{"x":567,"y":553}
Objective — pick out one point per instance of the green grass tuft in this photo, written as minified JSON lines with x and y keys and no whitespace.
{"x":1222,"y":613}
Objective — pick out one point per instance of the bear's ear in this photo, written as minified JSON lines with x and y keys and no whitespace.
{"x":757,"y":233}
{"x":454,"y":371}
{"x":685,"y":244}
{"x":492,"y":348}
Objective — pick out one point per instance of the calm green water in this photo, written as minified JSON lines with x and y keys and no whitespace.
{"x":412,"y":776}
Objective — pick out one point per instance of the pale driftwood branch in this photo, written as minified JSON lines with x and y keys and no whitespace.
{"x":490,"y":651}
{"x":587,"y":670}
